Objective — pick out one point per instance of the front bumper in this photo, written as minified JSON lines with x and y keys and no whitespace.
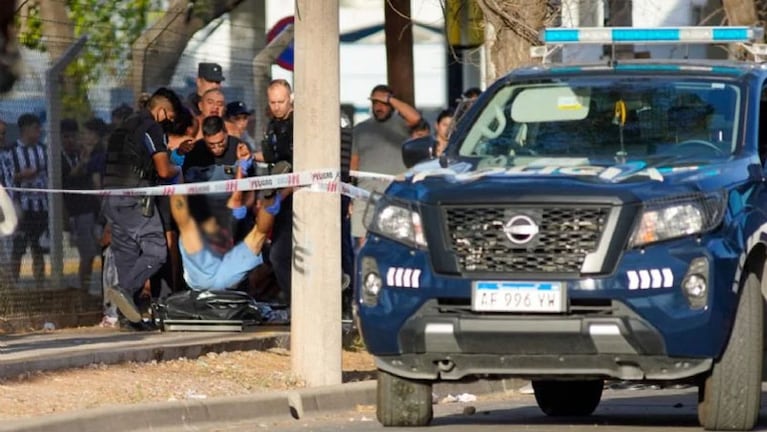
{"x":615,"y":326}
{"x":444,"y":342}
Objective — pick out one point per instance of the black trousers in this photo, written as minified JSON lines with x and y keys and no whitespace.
{"x":281,"y":251}
{"x":138,"y":242}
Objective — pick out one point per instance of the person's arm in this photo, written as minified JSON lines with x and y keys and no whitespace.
{"x":411,"y":116}
{"x":154,"y":142}
{"x":165,"y":169}
{"x":239,"y":200}
{"x":188,"y":233}
{"x":405,"y":110}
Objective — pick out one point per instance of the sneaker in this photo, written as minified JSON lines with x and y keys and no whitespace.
{"x":109,"y":322}
{"x":124,"y":303}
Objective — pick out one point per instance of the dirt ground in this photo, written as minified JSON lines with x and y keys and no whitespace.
{"x":225,"y":374}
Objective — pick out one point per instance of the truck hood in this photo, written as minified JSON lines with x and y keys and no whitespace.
{"x":562,"y":179}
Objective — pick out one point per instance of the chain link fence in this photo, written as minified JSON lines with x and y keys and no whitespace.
{"x":50,"y":268}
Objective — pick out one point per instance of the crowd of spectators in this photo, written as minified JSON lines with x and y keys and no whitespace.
{"x":166,"y":139}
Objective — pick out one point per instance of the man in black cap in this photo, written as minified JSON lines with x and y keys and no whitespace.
{"x":209,"y":76}
{"x":236,"y":119}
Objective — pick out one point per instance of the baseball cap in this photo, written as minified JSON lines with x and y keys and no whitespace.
{"x":210,"y":72}
{"x":237,"y":108}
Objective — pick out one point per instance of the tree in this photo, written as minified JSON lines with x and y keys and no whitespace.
{"x":157,"y":50}
{"x":514,"y":26}
{"x":119,"y":32}
{"x":111,"y":26}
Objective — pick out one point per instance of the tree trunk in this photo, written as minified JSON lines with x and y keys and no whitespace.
{"x":740,"y":12}
{"x":58,"y":30}
{"x":157,"y":51}
{"x":513,"y":27}
{"x":399,"y":49}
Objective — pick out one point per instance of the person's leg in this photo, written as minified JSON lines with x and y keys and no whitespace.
{"x":237,"y":263}
{"x":87,"y":247}
{"x":347,"y":258}
{"x":38,"y":225}
{"x":281,"y":249}
{"x":18,"y":249}
{"x":138,"y":243}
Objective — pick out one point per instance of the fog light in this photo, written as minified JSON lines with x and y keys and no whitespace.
{"x":695,"y":283}
{"x":371,"y":287}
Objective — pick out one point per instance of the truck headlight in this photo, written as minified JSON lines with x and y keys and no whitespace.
{"x":678,"y":217}
{"x":398,"y":221}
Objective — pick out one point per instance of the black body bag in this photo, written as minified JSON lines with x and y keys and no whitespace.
{"x":212,"y":306}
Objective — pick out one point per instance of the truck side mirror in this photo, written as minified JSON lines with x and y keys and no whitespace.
{"x":417,"y":150}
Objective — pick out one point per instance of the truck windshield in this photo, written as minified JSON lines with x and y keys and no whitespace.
{"x":612,"y":120}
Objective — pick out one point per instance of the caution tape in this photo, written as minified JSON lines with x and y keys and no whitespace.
{"x":277,"y":181}
{"x":371,"y":175}
{"x":344,"y":188}
{"x":320,"y":181}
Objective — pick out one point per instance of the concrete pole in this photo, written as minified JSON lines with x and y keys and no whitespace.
{"x":315,"y":337}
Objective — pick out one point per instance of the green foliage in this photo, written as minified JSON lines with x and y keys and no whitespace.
{"x":111,"y":26}
{"x":32,"y":36}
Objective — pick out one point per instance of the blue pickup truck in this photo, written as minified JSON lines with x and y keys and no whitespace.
{"x":586,"y":223}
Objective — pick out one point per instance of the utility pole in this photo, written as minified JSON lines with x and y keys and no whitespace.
{"x":315,"y":333}
{"x":399,"y":49}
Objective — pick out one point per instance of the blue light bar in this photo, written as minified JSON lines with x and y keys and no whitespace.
{"x":655,"y":35}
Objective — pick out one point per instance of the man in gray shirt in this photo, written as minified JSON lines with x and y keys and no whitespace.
{"x":377,"y":144}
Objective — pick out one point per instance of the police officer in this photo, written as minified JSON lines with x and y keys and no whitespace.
{"x":278,"y":153}
{"x":137,"y":156}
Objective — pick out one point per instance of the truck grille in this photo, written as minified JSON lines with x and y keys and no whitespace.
{"x":478,"y":237}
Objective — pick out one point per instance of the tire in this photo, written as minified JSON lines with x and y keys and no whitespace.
{"x":730,"y":396}
{"x":568,"y":398}
{"x":403,"y":402}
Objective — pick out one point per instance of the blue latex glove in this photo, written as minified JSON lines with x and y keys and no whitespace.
{"x":239,"y":213}
{"x":176,"y":158}
{"x":175,"y":179}
{"x":245,"y":164}
{"x":275,"y":207}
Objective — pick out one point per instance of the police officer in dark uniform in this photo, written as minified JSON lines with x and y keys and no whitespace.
{"x":137,"y":156}
{"x":277,"y":149}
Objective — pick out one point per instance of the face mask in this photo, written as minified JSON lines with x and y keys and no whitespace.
{"x":167,"y":126}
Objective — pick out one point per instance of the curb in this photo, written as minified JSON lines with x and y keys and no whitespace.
{"x":281,"y":405}
{"x":158,"y":351}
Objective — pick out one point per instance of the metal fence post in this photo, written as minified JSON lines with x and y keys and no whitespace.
{"x":53,"y":108}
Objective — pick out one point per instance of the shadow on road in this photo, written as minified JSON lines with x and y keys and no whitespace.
{"x":662,"y":409}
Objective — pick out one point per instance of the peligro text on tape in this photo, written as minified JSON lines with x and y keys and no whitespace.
{"x":298,"y":179}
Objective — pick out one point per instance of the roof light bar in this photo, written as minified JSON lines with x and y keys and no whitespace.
{"x":654,"y":35}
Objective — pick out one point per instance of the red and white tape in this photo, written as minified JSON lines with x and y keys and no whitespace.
{"x":298,"y":179}
{"x":319,"y":180}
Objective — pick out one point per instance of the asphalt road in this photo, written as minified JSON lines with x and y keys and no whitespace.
{"x":621,"y":410}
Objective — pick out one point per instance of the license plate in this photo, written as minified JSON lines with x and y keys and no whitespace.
{"x":504,"y":296}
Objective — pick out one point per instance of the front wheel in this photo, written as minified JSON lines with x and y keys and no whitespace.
{"x":403,"y":402}
{"x":568,"y":398}
{"x":730,"y":397}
